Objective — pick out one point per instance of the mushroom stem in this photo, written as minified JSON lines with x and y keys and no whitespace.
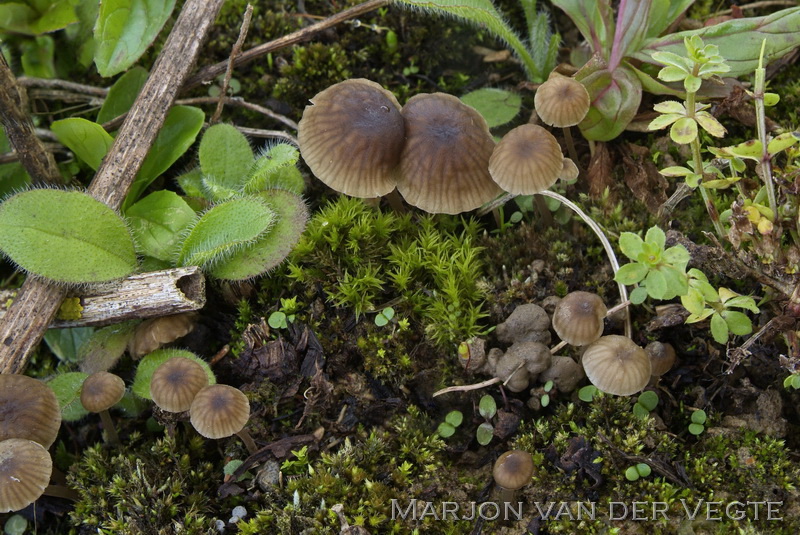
{"x":60,"y":491}
{"x":612,"y":258}
{"x":248,"y":441}
{"x":573,"y":154}
{"x":506,"y":495}
{"x":396,"y":202}
{"x":111,"y":430}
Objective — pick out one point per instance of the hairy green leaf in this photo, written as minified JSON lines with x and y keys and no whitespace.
{"x":67,"y":388}
{"x":276,"y":168}
{"x":66,"y":236}
{"x":158,"y":221}
{"x":225,"y":156}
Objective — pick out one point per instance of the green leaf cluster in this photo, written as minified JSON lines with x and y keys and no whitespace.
{"x":447,"y":428}
{"x":704,"y":302}
{"x":698,"y":420}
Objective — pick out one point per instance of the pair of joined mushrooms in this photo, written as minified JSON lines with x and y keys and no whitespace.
{"x":437,"y":151}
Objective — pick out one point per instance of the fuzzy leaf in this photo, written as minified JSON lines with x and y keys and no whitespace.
{"x":631,"y":273}
{"x":158,"y":221}
{"x":67,"y":388}
{"x":276,"y":169}
{"x":497,"y":106}
{"x":630,"y":244}
{"x":86,"y":139}
{"x":102,"y":350}
{"x":67,"y":236}
{"x":122,"y":94}
{"x":124,"y":30}
{"x":226,"y":156}
{"x":275,"y":245}
{"x":225,"y":230}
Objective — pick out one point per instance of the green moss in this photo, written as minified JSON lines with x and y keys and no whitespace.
{"x":159,"y":487}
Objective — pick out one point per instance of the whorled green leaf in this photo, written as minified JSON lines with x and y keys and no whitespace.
{"x":631,"y":273}
{"x":225,"y":156}
{"x":102,"y":350}
{"x":178,"y":133}
{"x":630,"y":244}
{"x":216,"y":190}
{"x":225,"y":230}
{"x":124,"y":30}
{"x":67,"y":388}
{"x":738,"y":322}
{"x":719,"y":329}
{"x":497,"y":106}
{"x":275,"y":245}
{"x":66,"y":236}
{"x":276,"y":168}
{"x":151,"y":361}
{"x":656,"y":284}
{"x":86,"y":139}
{"x":122,"y":94}
{"x":782,"y":142}
{"x":158,"y":222}
{"x":191,"y":183}
{"x":615,"y":97}
{"x":683,"y":131}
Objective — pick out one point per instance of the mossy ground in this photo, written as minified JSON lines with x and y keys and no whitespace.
{"x":446,"y":279}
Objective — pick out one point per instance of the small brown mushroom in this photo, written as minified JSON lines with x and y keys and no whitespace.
{"x":28,"y":409}
{"x":616,"y":365}
{"x":220,"y":411}
{"x":527,"y":160}
{"x":25,"y":469}
{"x":176,"y":382}
{"x":351,"y":138}
{"x":100,"y":392}
{"x":512,"y":471}
{"x":444,"y":167}
{"x":156,"y":332}
{"x":578,"y":318}
{"x":662,"y":357}
{"x":562,"y":102}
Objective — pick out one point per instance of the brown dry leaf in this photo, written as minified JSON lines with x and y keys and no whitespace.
{"x":643,"y":178}
{"x":599,"y":174}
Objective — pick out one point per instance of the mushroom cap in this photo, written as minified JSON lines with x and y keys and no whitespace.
{"x":101,"y":391}
{"x":561,"y":101}
{"x":219,"y":411}
{"x":578,"y":318}
{"x":25,"y":469}
{"x":616,"y":365}
{"x":527,"y":160}
{"x":513,"y":469}
{"x":28,"y":409}
{"x":156,"y":332}
{"x":176,"y":382}
{"x":351,"y":138}
{"x":662,"y":357}
{"x":444,"y":167}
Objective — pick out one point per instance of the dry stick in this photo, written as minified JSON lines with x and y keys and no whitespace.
{"x":235,"y":101}
{"x":235,"y":51}
{"x":36,"y":306}
{"x":39,"y":163}
{"x":209,"y":73}
{"x":52,"y":83}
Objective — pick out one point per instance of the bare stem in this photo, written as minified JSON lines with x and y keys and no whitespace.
{"x":235,"y":51}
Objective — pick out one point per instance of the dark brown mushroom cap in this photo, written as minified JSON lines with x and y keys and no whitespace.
{"x":662,"y":357}
{"x":616,"y":365}
{"x":176,"y":382}
{"x":101,"y":391}
{"x":28,"y":409}
{"x":219,"y":411}
{"x":578,"y":318}
{"x":444,"y":168}
{"x":25,"y":469}
{"x":527,"y":160}
{"x":351,"y":138}
{"x":561,"y":101}
{"x":513,"y":469}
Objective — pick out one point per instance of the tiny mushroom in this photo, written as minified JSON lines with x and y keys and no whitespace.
{"x":28,"y":409}
{"x":527,"y":160}
{"x":156,"y":332}
{"x":220,"y":411}
{"x":561,"y":101}
{"x":662,"y":357}
{"x":351,"y":137}
{"x":512,"y":471}
{"x":444,"y":167}
{"x":578,"y":318}
{"x":99,"y":392}
{"x":176,"y":382}
{"x":25,"y":470}
{"x":616,"y":365}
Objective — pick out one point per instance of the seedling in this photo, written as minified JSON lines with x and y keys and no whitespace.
{"x":698,"y":422}
{"x":280,"y":319}
{"x":645,"y":404}
{"x":588,"y":393}
{"x":451,"y":422}
{"x":384,"y":317}
{"x":487,"y":408}
{"x":704,"y":302}
{"x":545,"y":399}
{"x":792,"y":381}
{"x":635,"y":472}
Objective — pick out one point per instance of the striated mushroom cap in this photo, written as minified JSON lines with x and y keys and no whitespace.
{"x":513,"y":469}
{"x":662,"y":357}
{"x":351,"y":138}
{"x":561,"y":101}
{"x":28,"y":409}
{"x":101,"y":391}
{"x":578,"y":318}
{"x":176,"y":382}
{"x":445,"y":163}
{"x":219,"y":411}
{"x":527,"y":160}
{"x":25,"y":469}
{"x":616,"y":365}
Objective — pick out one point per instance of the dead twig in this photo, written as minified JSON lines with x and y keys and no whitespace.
{"x":235,"y":51}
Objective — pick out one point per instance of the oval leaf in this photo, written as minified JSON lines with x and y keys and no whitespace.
{"x":66,"y":236}
{"x":122,"y":94}
{"x":225,"y":155}
{"x":158,"y":221}
{"x":86,"y":139}
{"x":497,"y":106}
{"x":124,"y":30}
